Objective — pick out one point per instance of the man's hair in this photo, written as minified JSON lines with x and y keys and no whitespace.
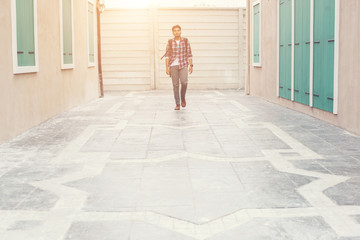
{"x":176,"y":26}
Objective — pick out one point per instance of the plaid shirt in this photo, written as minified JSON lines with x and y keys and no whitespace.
{"x":179,"y":52}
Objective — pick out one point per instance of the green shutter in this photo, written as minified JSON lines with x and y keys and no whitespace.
{"x":323,"y":76}
{"x":302,"y":52}
{"x":285,"y":49}
{"x":91,"y":32}
{"x":67,"y":32}
{"x":256,"y":36}
{"x":25,"y":33}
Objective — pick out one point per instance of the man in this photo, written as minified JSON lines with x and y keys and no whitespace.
{"x":178,"y":58}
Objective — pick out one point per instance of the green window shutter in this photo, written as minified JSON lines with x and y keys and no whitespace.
{"x":324,"y":34}
{"x":302,"y":52}
{"x":67,"y":32}
{"x":256,"y":35}
{"x":25,"y":33}
{"x":285,"y":40}
{"x":91,"y":32}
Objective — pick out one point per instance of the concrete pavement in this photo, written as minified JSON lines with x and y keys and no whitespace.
{"x":226,"y":167}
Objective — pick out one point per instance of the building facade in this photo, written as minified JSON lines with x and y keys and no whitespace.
{"x":48,"y":61}
{"x":305,"y":55}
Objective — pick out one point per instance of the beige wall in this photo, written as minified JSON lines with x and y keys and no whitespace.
{"x":31,"y":98}
{"x":263,"y":80}
{"x":349,"y":69}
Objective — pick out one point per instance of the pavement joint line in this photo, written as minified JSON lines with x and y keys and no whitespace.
{"x":129,"y":95}
{"x":114,"y":108}
{"x":219,"y":93}
{"x":229,"y":112}
{"x":74,"y":146}
{"x":240,"y":106}
{"x":168,"y":126}
{"x":201,"y":157}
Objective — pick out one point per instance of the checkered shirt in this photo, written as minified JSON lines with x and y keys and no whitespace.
{"x":179,"y":52}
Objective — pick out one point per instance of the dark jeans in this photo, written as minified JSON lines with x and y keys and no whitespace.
{"x":179,"y":76}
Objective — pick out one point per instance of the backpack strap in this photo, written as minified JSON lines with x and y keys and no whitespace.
{"x":169,"y":50}
{"x":186,"y":42}
{"x":170,"y":46}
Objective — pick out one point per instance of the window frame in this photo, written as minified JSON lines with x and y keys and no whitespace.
{"x":67,"y":65}
{"x":91,"y":64}
{"x":24,"y":69}
{"x":257,"y":2}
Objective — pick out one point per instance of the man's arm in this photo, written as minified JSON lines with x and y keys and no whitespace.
{"x":191,"y":66}
{"x":167,"y":65}
{"x":189,"y":54}
{"x":167,"y":59}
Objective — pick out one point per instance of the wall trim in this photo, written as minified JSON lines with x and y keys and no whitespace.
{"x":72,"y":65}
{"x":311,"y":80}
{"x":278,"y":50}
{"x":252,"y":33}
{"x":336,"y":56}
{"x":19,"y":69}
{"x":90,"y":64}
{"x":292,"y":50}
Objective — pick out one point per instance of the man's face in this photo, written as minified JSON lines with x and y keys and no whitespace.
{"x":177,"y":32}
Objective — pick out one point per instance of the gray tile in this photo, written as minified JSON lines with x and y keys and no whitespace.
{"x":350,"y":238}
{"x":25,"y":197}
{"x":357,"y":218}
{"x":347,"y":193}
{"x":105,"y":230}
{"x":310,"y":228}
{"x":24,"y":225}
{"x":342,"y":165}
{"x":142,"y":231}
{"x":310,"y":165}
{"x":137,"y":152}
{"x":185,"y":213}
{"x":101,"y":141}
{"x":213,"y":204}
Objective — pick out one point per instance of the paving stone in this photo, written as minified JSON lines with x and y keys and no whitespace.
{"x":227,"y":165}
{"x":310,"y":165}
{"x":347,"y":193}
{"x":24,"y":225}
{"x":310,"y":228}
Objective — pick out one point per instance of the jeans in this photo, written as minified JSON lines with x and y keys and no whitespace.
{"x":179,"y":76}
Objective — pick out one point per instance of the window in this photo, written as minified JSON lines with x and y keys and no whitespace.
{"x":24,"y":36}
{"x":308,"y":52}
{"x":256,"y":29}
{"x":91,"y":36}
{"x":67,"y":34}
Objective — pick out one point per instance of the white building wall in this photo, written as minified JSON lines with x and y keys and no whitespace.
{"x":133,"y":41}
{"x":173,"y":3}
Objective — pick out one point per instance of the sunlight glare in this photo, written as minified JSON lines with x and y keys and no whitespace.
{"x":130,"y":3}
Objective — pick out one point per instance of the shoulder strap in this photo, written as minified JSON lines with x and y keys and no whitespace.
{"x":186,"y":43}
{"x":170,"y":46}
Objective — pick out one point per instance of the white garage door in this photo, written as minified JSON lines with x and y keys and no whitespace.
{"x":133,"y":42}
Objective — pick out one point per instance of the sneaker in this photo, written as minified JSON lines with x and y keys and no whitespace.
{"x":177,"y":107}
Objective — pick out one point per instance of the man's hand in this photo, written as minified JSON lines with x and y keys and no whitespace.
{"x":168,"y":71}
{"x":190,"y":69}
